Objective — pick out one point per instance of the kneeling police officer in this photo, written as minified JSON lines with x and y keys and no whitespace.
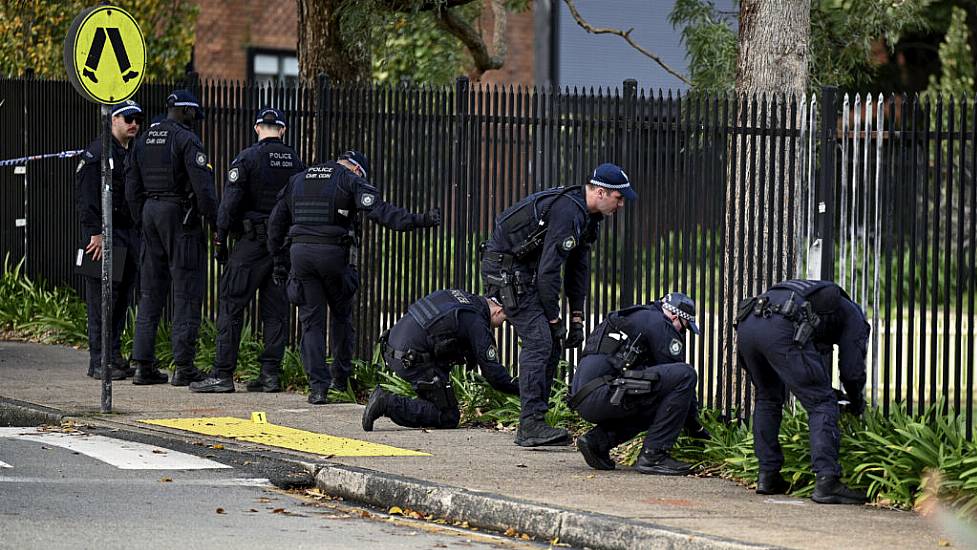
{"x":781,"y":337}
{"x":441,"y":330}
{"x":633,"y":378}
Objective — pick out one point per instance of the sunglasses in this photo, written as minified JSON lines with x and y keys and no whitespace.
{"x":132,"y":118}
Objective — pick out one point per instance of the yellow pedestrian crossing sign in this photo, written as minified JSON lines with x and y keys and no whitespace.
{"x":105,"y":54}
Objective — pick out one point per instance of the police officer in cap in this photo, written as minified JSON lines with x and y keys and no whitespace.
{"x":781,"y":337}
{"x":126,"y":120}
{"x":255,"y":178}
{"x":443,"y":329}
{"x":169,"y":186}
{"x":540,"y":246}
{"x":318,"y":213}
{"x":633,"y":377}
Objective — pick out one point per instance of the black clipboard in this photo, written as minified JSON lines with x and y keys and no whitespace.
{"x":84,"y":265}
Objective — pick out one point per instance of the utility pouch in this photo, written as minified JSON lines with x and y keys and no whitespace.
{"x":745,"y":309}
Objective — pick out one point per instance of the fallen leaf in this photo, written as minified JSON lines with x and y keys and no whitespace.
{"x":510,"y":532}
{"x":521,"y":466}
{"x":944,"y":542}
{"x":395,"y":510}
{"x":524,"y":536}
{"x":220,"y":511}
{"x":365,"y":514}
{"x":252,"y":510}
{"x":159,"y":451}
{"x":166,"y":480}
{"x":264,"y":500}
{"x":217,"y":446}
{"x":278,"y":511}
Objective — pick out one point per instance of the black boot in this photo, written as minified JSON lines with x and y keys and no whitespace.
{"x":213,"y":384}
{"x":828,"y":489}
{"x":535,"y":432}
{"x":121,"y":363}
{"x":318,"y":397}
{"x":376,"y":407}
{"x":595,"y":446}
{"x":658,"y":462}
{"x":147,"y":373}
{"x":340,"y":382}
{"x":114,"y":373}
{"x":185,"y":375}
{"x":265,"y":382}
{"x":771,"y":483}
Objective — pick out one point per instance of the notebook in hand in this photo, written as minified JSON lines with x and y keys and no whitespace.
{"x":84,"y":265}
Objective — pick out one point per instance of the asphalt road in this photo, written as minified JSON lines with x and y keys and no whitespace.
{"x":54,"y":494}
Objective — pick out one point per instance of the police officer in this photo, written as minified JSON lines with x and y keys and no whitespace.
{"x":317,"y":211}
{"x":253,"y":182}
{"x":445,"y":328}
{"x":126,"y":120}
{"x":781,"y":337}
{"x":533,"y":241}
{"x":169,"y":185}
{"x":633,"y":378}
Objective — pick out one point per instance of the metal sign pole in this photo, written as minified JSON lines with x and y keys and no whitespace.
{"x":106,"y":258}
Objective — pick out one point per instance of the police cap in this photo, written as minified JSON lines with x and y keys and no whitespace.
{"x":612,"y":177}
{"x":357,"y":158}
{"x":184,"y":98}
{"x":683,"y":307}
{"x":127,"y":107}
{"x":268,"y":115}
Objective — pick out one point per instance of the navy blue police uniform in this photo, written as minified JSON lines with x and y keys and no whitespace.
{"x":317,"y":212}
{"x":169,"y":186}
{"x":540,"y":246}
{"x":125,"y":234}
{"x":254,"y":179}
{"x":633,"y":378}
{"x":443,"y":329}
{"x":781,"y":337}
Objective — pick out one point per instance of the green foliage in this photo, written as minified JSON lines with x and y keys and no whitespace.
{"x":30,"y":310}
{"x":710,"y":42}
{"x":413,"y":48}
{"x":844,"y":35}
{"x":956,"y":77}
{"x":32,"y":34}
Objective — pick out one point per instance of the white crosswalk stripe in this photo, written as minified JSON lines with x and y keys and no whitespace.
{"x":5,"y":465}
{"x":125,"y":455}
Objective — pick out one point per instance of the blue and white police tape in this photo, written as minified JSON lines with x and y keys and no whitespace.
{"x":25,"y":160}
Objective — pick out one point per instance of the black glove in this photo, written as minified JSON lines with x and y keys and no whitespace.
{"x":512,"y":387}
{"x":856,"y":405}
{"x":220,"y":251}
{"x":558,"y":333}
{"x":431,"y":218}
{"x":279,"y":275}
{"x":575,"y":336}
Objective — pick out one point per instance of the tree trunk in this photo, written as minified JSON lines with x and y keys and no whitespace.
{"x":322,"y":47}
{"x":772,"y":65}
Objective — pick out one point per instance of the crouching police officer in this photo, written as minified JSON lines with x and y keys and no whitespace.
{"x":534,"y":242}
{"x":781,"y":336}
{"x":633,"y":378}
{"x":126,"y":119}
{"x":254,"y":180}
{"x":317,"y":211}
{"x":169,"y":185}
{"x":442,"y":329}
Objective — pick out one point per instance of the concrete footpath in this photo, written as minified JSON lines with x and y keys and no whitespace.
{"x":477,"y":475}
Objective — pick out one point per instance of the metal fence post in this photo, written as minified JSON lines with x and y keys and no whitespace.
{"x":825,"y":199}
{"x":323,"y":128}
{"x":460,"y":181}
{"x":629,"y":160}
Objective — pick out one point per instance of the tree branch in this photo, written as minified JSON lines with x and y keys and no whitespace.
{"x":626,"y":35}
{"x":472,"y":40}
{"x":407,"y":6}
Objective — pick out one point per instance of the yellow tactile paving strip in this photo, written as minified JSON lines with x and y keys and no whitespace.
{"x":281,"y":436}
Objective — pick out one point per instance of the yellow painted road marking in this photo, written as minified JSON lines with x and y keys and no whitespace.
{"x":281,"y":436}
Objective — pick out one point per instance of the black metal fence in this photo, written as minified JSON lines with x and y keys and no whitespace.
{"x":898,"y":223}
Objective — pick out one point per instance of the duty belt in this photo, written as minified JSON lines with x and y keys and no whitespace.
{"x":168,"y":197}
{"x":802,"y":315}
{"x":410,"y":358}
{"x":342,"y":240}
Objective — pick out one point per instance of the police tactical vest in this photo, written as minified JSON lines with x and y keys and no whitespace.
{"x":613,"y":332}
{"x":531,"y":214}
{"x":823,"y":295}
{"x":315,"y":199}
{"x":274,"y":164}
{"x":437,"y":313}
{"x":157,"y":159}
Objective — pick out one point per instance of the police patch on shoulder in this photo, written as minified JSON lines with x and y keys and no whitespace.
{"x":233,"y":175}
{"x":569,"y":243}
{"x":367,"y":200}
{"x":201,"y":159}
{"x":675,"y":347}
{"x":492,"y":354}
{"x":89,"y":155}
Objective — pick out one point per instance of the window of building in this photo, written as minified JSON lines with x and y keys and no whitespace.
{"x":273,"y":66}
